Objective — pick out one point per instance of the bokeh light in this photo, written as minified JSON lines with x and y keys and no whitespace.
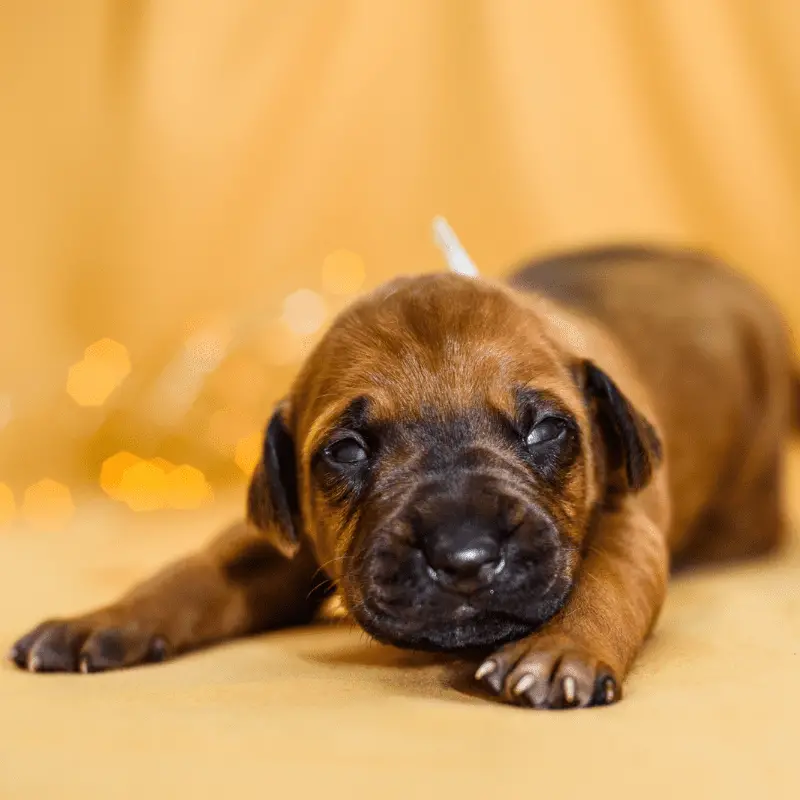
{"x":304,"y":312}
{"x":153,"y":484}
{"x":112,"y":471}
{"x":187,"y":488}
{"x":8,"y":506}
{"x":143,"y":487}
{"x":215,"y":373}
{"x":183,"y":379}
{"x":47,"y":505}
{"x":343,"y":273}
{"x":162,"y":463}
{"x":105,"y":365}
{"x":205,"y":349}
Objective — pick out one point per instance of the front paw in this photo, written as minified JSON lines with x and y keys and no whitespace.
{"x":549,"y":672}
{"x":88,"y":644}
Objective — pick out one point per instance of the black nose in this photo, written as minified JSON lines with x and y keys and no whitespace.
{"x":464,"y":563}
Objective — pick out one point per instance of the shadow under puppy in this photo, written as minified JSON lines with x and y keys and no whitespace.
{"x":511,"y":468}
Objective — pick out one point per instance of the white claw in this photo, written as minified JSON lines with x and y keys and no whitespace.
{"x":34,"y":663}
{"x":523,"y":684}
{"x":609,"y":691}
{"x":83,"y":666}
{"x":487,"y":668}
{"x":570,"y":689}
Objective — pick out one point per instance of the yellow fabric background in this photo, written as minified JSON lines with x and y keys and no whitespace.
{"x":169,"y":161}
{"x":174,"y":162}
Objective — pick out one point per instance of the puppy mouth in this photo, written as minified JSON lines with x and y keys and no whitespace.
{"x":399,"y":599}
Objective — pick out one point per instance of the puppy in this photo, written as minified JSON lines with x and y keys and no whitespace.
{"x":502,"y":469}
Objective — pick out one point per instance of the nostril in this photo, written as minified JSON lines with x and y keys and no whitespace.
{"x":468,"y":567}
{"x":469,"y":561}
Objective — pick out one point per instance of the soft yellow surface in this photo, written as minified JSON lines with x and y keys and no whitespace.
{"x":711,"y":711}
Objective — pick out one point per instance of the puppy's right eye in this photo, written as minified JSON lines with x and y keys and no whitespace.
{"x":546,"y":431}
{"x":348,"y":452}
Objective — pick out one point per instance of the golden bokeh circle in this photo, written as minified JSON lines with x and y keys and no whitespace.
{"x":143,"y":487}
{"x":112,"y":471}
{"x":187,"y":488}
{"x":304,"y":312}
{"x":105,"y":365}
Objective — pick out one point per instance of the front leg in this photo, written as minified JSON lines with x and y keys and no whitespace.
{"x":581,"y":656}
{"x":240,"y":584}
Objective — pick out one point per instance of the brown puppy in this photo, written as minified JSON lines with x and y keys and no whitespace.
{"x":510,"y":469}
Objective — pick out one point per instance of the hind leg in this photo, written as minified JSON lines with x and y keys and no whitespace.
{"x":749,"y":522}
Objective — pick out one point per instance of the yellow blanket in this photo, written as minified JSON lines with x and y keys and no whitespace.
{"x":712,"y":709}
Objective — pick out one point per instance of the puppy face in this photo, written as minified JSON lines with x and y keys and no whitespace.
{"x":444,"y":457}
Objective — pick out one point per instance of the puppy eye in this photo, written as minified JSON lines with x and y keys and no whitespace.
{"x":548,"y":430}
{"x":348,"y":452}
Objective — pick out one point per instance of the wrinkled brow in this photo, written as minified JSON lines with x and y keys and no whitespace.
{"x":354,"y":415}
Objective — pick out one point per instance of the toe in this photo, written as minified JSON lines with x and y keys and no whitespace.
{"x":56,"y":648}
{"x":160,"y":650}
{"x":114,"y":648}
{"x":492,"y":674}
{"x":549,"y":673}
{"x":529,"y":681}
{"x":607,"y":689}
{"x":573,"y":683}
{"x":18,"y":654}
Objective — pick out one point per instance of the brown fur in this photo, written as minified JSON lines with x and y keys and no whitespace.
{"x":677,"y":375}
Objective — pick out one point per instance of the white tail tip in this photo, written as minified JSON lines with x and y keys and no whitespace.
{"x":453,"y":251}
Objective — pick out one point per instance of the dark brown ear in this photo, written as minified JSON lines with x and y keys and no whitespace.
{"x":272,"y":501}
{"x":632,"y":446}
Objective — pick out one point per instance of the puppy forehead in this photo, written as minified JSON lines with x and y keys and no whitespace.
{"x":445,"y":345}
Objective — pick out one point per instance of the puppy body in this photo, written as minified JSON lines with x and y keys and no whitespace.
{"x":507,"y":468}
{"x":708,"y":359}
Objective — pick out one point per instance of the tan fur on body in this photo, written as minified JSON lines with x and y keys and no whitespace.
{"x":675,"y":378}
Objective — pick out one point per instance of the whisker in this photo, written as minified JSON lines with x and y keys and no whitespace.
{"x":318,"y":586}
{"x":325,"y":564}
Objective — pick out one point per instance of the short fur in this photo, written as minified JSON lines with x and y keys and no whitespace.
{"x":503,"y":468}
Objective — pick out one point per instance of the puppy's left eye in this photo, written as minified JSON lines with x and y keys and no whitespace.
{"x":547,"y":430}
{"x":349,"y":452}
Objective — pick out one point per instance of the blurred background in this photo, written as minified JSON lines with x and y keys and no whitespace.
{"x":192,"y":188}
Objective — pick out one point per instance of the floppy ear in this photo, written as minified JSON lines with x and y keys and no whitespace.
{"x":272,"y":500}
{"x":632,"y":445}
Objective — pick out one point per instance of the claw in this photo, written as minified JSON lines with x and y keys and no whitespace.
{"x":487,"y":668}
{"x":609,"y":690}
{"x":523,"y":684}
{"x":570,"y":689}
{"x":159,"y":650}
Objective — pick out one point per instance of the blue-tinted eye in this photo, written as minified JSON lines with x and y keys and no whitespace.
{"x":347,"y":451}
{"x":548,"y":430}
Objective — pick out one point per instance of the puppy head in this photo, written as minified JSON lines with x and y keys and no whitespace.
{"x":443,"y":456}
